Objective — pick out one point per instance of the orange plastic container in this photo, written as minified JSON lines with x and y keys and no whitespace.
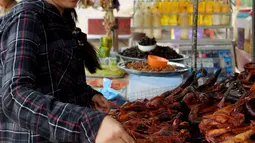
{"x":157,"y":62}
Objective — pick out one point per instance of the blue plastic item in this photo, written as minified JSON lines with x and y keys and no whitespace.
{"x":111,"y":94}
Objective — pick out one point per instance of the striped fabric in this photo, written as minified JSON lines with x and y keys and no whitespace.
{"x":44,"y":96}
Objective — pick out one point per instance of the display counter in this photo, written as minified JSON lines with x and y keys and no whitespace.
{"x":134,"y":87}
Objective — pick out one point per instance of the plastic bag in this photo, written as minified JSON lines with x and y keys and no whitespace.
{"x":111,"y":94}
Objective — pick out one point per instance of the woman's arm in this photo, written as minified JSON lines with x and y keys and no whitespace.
{"x":87,"y":91}
{"x":32,"y":110}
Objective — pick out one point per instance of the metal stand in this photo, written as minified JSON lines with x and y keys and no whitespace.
{"x":115,"y":35}
{"x":194,"y":36}
{"x":253,"y":32}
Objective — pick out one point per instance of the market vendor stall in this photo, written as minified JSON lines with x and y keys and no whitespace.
{"x":169,"y":103}
{"x":151,"y":19}
{"x":196,"y":96}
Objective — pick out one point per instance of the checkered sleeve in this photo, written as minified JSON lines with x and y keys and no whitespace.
{"x":93,"y":92}
{"x":32,"y":110}
{"x":87,"y":91}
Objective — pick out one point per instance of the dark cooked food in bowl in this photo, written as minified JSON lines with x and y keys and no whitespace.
{"x":143,"y":66}
{"x":161,"y":51}
{"x":146,"y":41}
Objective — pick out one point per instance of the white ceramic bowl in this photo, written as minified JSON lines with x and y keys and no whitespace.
{"x":146,"y":48}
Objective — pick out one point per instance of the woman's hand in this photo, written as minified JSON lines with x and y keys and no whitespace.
{"x":101,"y":103}
{"x":112,"y":131}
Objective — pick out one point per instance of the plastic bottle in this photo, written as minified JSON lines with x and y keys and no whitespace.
{"x":225,"y":17}
{"x":184,"y":23}
{"x":181,"y":5}
{"x":190,"y":10}
{"x":208,"y":16}
{"x":164,"y":13}
{"x":201,"y":11}
{"x":156,"y":6}
{"x":147,"y":19}
{"x":217,"y":13}
{"x":138,"y":19}
{"x":173,"y":10}
{"x":157,"y":30}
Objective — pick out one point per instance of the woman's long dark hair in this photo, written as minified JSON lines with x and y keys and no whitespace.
{"x":86,"y":50}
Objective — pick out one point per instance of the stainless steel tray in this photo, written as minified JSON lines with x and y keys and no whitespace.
{"x":124,"y":58}
{"x":181,"y":69}
{"x":111,"y":77}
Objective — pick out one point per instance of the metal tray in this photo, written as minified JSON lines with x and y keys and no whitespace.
{"x":111,"y":77}
{"x":139,"y":59}
{"x":181,"y":69}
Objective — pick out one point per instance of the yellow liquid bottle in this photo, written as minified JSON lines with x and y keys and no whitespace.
{"x":225,"y":18}
{"x":164,"y":14}
{"x":138,"y":19}
{"x":156,"y":6}
{"x":190,"y":10}
{"x":184,"y":23}
{"x":147,"y":19}
{"x":217,"y":13}
{"x":182,"y":5}
{"x":156,"y":23}
{"x":201,"y":11}
{"x":173,"y":10}
{"x":208,"y":19}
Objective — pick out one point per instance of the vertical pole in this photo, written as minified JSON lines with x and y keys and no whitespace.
{"x":194,"y":36}
{"x":115,"y":36}
{"x":134,"y":10}
{"x":253,"y":32}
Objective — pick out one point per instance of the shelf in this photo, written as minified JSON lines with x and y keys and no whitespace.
{"x":207,"y":47}
{"x":170,"y":27}
{"x":201,"y":13}
{"x":200,"y":42}
{"x":95,"y":37}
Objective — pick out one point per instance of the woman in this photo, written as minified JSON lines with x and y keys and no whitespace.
{"x":6,"y":5}
{"x":44,"y":96}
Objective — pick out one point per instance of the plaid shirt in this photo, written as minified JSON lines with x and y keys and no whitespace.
{"x":43,"y":90}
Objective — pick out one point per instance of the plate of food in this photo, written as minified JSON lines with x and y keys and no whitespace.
{"x":144,"y":69}
{"x":136,"y":53}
